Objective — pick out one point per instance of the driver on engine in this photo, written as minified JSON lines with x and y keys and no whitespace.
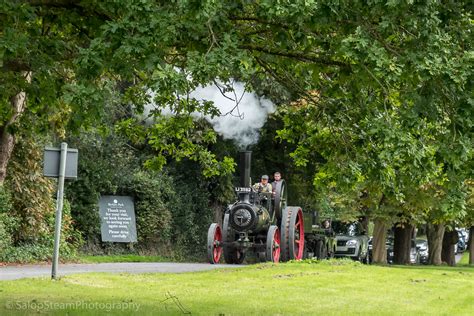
{"x":263,"y":186}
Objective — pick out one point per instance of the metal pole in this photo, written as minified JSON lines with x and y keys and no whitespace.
{"x":59,"y":209}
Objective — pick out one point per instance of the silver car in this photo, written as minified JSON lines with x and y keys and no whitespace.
{"x":351,"y":241}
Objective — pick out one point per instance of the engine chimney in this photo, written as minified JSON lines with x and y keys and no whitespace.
{"x":245,"y":160}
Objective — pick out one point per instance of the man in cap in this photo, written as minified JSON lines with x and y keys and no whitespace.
{"x":263,"y":185}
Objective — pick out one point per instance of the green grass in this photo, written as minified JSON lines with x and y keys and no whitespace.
{"x":464,"y":259}
{"x":327,"y":288}
{"x":121,"y":258}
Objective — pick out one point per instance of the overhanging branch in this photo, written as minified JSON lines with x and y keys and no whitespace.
{"x":296,"y":55}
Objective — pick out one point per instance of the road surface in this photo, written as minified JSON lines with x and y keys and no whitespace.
{"x":29,"y":271}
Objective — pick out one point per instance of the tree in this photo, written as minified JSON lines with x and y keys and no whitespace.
{"x":68,"y":56}
{"x":468,"y":220}
{"x":395,"y":116}
{"x":381,"y":113}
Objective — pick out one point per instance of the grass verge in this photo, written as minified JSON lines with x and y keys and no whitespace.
{"x":464,"y":259}
{"x":121,"y":258}
{"x":335,"y":287}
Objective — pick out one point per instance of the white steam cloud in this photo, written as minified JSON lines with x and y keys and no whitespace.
{"x":243,"y":113}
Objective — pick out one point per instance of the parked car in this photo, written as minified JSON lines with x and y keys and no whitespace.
{"x":370,"y":248}
{"x":390,"y":253}
{"x":462,"y":243}
{"x":414,"y":253}
{"x":422,"y":246}
{"x":351,"y":241}
{"x":388,"y":247}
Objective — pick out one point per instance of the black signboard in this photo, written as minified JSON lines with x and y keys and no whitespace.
{"x":117,"y":218}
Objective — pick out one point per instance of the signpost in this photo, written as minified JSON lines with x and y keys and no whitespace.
{"x":117,"y":218}
{"x":52,"y":157}
{"x":61,"y":164}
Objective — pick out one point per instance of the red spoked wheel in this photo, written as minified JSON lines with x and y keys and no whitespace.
{"x":231,"y":254}
{"x":272,"y":251}
{"x":297,"y":234}
{"x":292,"y":234}
{"x":214,"y":243}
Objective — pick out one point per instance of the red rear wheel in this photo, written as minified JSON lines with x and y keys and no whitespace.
{"x":214,"y":243}
{"x":298,"y":235}
{"x":292,"y":234}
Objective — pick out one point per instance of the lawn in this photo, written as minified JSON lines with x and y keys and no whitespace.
{"x":336,"y":287}
{"x":120,"y":258}
{"x":464,"y":259}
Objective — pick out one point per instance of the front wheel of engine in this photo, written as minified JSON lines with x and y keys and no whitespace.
{"x":272,"y":251}
{"x":214,"y":243}
{"x":231,"y":254}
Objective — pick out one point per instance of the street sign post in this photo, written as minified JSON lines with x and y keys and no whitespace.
{"x":59,"y":163}
{"x":52,"y":159}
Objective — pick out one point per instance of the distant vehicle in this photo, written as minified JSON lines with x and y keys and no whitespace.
{"x":462,"y":243}
{"x":371,"y":238}
{"x":414,"y":253}
{"x":465,"y":233}
{"x":351,"y":241}
{"x":390,"y":253}
{"x":422,"y":246}
{"x":388,"y":247}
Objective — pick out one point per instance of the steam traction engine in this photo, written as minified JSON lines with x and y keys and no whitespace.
{"x":259,"y":222}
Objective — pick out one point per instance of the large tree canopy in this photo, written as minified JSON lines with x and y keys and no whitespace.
{"x":387,"y":85}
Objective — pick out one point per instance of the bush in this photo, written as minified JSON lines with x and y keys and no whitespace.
{"x":27,"y":253}
{"x":27,"y":211}
{"x":191,"y":210}
{"x":7,"y":222}
{"x":152,"y":193}
{"x":105,"y":164}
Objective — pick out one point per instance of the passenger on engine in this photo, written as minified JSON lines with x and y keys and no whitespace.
{"x":326,"y":224}
{"x":263,"y":186}
{"x":276,"y":181}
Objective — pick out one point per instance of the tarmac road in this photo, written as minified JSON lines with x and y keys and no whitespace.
{"x":30,"y":271}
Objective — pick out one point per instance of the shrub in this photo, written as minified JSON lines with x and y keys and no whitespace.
{"x":8,"y":223}
{"x":152,"y":192}
{"x":27,"y":210}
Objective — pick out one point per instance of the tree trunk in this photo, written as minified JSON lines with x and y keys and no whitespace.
{"x":402,"y":243}
{"x":218,"y":214}
{"x":6,"y":148}
{"x":364,"y":221}
{"x":435,"y":233}
{"x":471,"y":245}
{"x":450,"y":238}
{"x":7,"y":140}
{"x":379,"y":249}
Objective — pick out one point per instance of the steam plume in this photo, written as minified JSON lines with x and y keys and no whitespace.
{"x":242,"y":113}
